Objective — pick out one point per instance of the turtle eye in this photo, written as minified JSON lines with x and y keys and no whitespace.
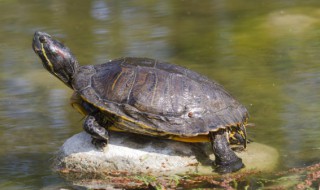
{"x":42,"y":39}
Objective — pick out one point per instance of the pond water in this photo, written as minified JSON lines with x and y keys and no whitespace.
{"x":265,"y":53}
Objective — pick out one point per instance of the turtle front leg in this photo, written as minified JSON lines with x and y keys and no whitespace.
{"x":225,"y":159}
{"x":99,"y":134}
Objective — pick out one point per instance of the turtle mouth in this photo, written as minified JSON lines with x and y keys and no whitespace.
{"x":36,"y":49}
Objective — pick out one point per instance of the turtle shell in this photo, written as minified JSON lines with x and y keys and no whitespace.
{"x":151,"y":97}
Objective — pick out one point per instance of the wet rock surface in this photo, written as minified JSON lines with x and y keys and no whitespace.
{"x":136,"y":155}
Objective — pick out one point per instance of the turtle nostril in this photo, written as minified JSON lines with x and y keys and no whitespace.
{"x":42,"y":39}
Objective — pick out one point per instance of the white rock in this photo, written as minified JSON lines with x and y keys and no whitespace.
{"x":136,"y":154}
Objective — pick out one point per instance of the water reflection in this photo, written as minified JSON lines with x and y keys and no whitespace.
{"x":100,"y":10}
{"x":56,"y":100}
{"x":265,"y":53}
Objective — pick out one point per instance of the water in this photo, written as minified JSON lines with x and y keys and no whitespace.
{"x":265,"y":53}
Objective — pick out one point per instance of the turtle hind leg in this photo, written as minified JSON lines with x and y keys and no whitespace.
{"x":99,"y":134}
{"x":226,"y":160}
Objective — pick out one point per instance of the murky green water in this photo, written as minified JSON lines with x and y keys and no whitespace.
{"x":265,"y":53}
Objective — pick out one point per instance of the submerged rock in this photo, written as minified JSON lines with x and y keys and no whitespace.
{"x":136,"y":155}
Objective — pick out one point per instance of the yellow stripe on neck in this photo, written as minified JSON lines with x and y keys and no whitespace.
{"x":46,"y":57}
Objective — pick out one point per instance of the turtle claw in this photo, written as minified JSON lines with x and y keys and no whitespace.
{"x":100,"y":144}
{"x":231,"y":167}
{"x":226,"y":161}
{"x":99,"y":134}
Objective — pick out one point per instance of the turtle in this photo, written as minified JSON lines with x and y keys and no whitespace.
{"x":148,"y":97}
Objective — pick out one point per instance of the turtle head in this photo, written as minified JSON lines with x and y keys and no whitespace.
{"x":56,"y":57}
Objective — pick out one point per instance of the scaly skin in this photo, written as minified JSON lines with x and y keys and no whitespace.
{"x":99,"y":134}
{"x":226,"y":160}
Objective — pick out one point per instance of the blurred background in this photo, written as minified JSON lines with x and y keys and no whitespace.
{"x":266,"y":53}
